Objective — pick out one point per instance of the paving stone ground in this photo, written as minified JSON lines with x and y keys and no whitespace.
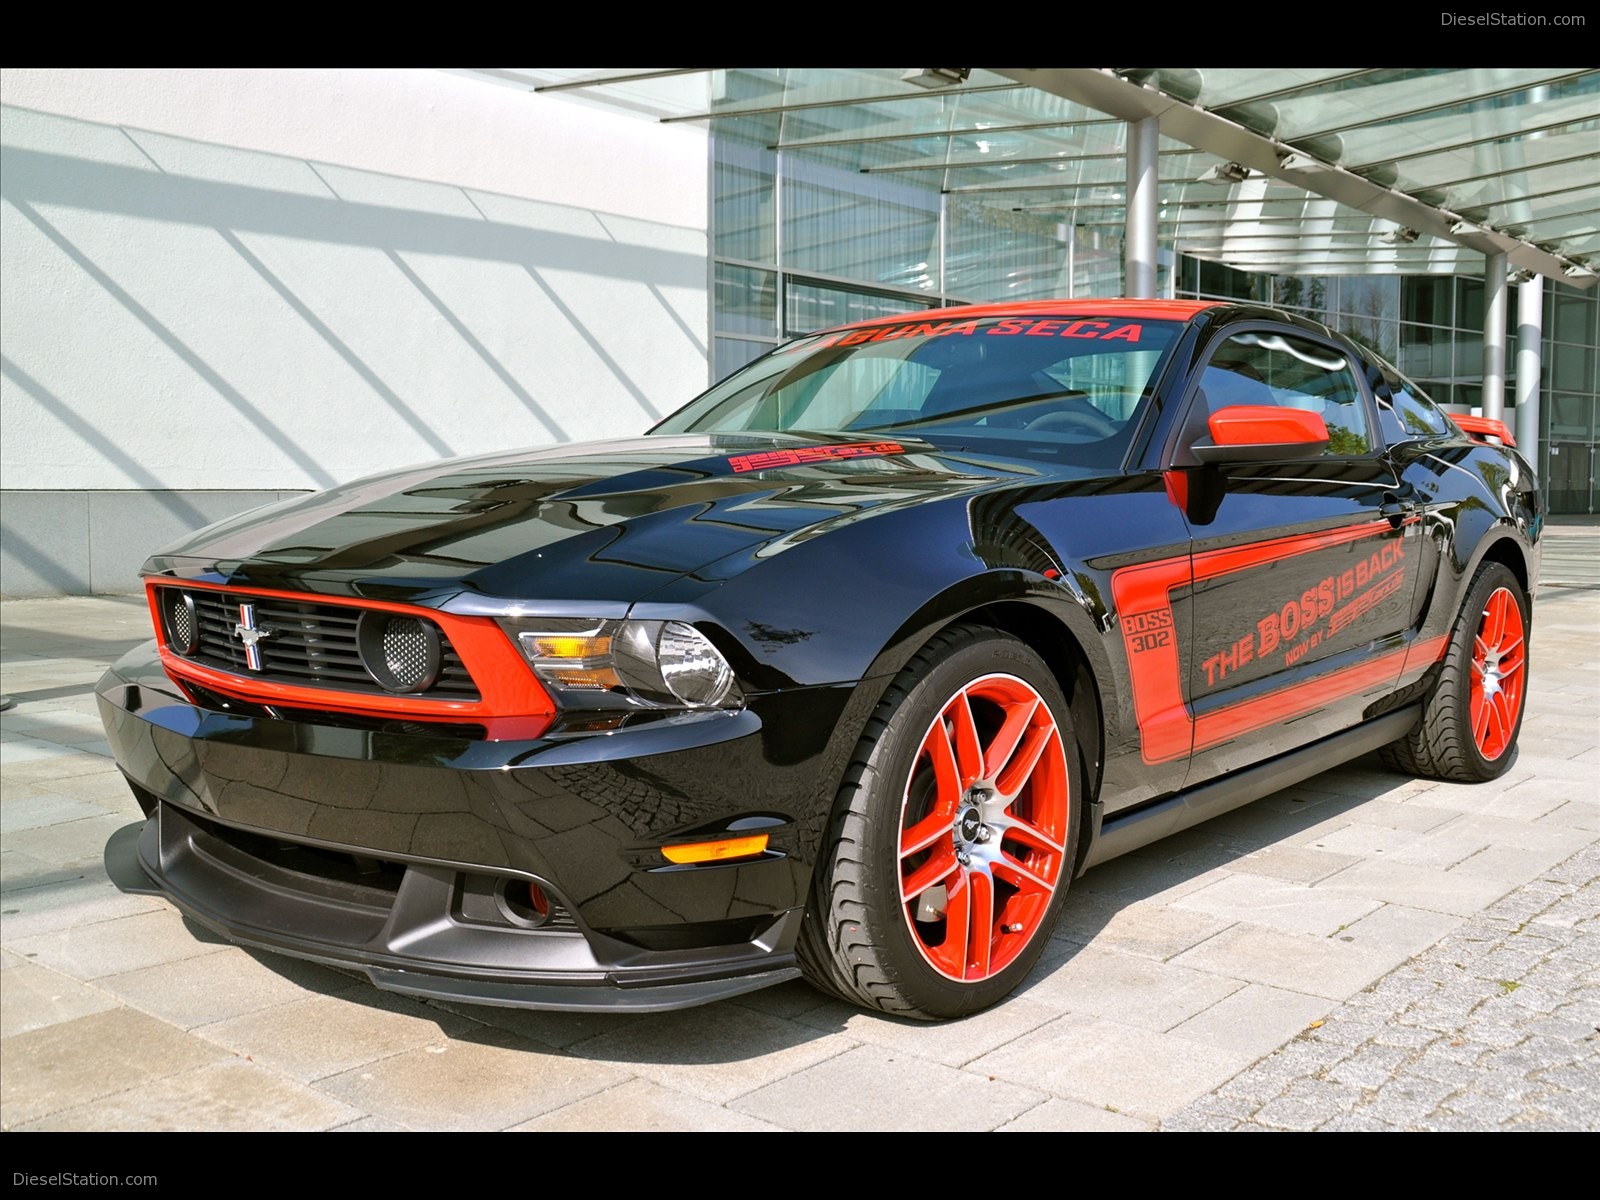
{"x":1363,"y":951}
{"x":1497,"y":1026}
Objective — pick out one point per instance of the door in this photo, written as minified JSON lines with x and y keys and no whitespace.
{"x":1303,"y":580}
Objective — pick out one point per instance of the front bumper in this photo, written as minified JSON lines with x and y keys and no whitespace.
{"x":407,"y":851}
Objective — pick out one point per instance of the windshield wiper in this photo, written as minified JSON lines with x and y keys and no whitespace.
{"x":957,"y":414}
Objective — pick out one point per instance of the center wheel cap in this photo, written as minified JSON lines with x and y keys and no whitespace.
{"x":968,"y":825}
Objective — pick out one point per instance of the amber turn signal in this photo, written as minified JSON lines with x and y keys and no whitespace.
{"x":699,"y":852}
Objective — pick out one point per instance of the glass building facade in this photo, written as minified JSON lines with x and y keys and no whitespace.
{"x":803,"y":240}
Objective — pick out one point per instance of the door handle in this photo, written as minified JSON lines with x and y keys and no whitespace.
{"x":1398,"y":509}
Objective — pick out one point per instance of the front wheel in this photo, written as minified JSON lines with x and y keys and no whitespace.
{"x":1471,"y":718}
{"x":954,"y":835}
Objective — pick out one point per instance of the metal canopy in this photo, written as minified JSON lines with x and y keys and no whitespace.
{"x":1295,"y":171}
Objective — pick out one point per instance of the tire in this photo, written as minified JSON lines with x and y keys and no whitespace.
{"x":954,"y":835}
{"x":1471,"y":718}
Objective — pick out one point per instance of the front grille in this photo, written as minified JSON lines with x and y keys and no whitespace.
{"x":302,"y":643}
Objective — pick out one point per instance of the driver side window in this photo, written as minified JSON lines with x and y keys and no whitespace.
{"x":1270,"y":369}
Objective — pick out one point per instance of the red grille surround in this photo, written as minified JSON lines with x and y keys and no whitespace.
{"x":499,"y":692}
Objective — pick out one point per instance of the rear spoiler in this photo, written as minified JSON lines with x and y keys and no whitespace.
{"x":1479,"y":428}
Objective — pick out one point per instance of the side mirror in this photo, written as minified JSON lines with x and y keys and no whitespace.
{"x":1262,"y":433}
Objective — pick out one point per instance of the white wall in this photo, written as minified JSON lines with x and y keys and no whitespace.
{"x":252,"y":281}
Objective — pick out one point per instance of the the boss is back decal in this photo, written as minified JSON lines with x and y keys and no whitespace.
{"x":1254,"y":622}
{"x":1267,"y":611}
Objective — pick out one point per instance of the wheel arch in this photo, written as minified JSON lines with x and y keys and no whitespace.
{"x":1507,"y":551}
{"x":1060,"y":624}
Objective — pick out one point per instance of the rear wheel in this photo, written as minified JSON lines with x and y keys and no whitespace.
{"x":1471,"y":719}
{"x":954,"y":836}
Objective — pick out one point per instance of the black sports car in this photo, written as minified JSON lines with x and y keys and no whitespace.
{"x":845,"y":670}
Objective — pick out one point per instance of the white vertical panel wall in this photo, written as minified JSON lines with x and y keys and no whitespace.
{"x":222,"y":286}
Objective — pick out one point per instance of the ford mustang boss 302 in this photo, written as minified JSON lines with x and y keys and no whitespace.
{"x":844,"y":670}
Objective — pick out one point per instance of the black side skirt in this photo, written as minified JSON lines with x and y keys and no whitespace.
{"x":1123,"y":832}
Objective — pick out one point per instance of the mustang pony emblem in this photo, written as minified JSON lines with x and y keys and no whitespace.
{"x":248,"y":632}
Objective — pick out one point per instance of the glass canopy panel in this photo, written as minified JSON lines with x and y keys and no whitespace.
{"x":1506,"y":165}
{"x":1583,"y":247}
{"x":1383,"y":97}
{"x":1530,"y":185}
{"x":1048,"y":153}
{"x":796,"y":88}
{"x":959,"y":120}
{"x":994,"y":254}
{"x":1454,"y":135}
{"x":744,"y":191}
{"x":817,"y":306}
{"x":840,"y":223}
{"x":663,"y":94}
{"x":940,"y":111}
{"x":1218,"y":86}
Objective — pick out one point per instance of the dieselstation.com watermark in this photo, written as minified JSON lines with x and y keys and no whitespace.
{"x":1532,"y":20}
{"x":80,"y":1179}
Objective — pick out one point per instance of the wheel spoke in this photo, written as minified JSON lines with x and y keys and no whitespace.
{"x":948,"y":787}
{"x":980,"y":925}
{"x":1020,"y":769}
{"x":924,"y":833}
{"x":1486,"y":624}
{"x":1480,"y":654}
{"x":1511,"y":685}
{"x":1020,"y":876}
{"x":964,"y":737}
{"x":1480,"y":716}
{"x":1502,"y":718}
{"x":1018,"y":718}
{"x":1511,"y":656}
{"x":1026,"y":831}
{"x":950,"y":954}
{"x":1495,"y":616}
{"x":939,"y":867}
{"x":1511,"y":672}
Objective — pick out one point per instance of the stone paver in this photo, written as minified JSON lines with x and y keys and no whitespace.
{"x":870,"y":1087}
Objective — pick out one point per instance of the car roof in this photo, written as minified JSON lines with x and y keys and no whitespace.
{"x":1150,"y":310}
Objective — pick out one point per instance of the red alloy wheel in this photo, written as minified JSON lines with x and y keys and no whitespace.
{"x":983,"y":828}
{"x":1499,"y":658}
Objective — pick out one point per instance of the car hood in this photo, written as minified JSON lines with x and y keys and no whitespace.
{"x":612,"y":520}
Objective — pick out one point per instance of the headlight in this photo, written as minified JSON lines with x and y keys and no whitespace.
{"x":594,"y":663}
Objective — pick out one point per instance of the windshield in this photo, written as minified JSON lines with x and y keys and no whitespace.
{"x":1072,"y":387}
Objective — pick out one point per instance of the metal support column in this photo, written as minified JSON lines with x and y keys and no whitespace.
{"x":1530,"y":348}
{"x":1144,"y":136}
{"x":1495,"y":288}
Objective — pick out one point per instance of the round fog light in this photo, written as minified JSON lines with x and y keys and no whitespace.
{"x":181,"y":620}
{"x":401,"y":653}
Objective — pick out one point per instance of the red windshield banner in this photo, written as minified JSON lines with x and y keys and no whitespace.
{"x":812,"y":454}
{"x":1100,"y":330}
